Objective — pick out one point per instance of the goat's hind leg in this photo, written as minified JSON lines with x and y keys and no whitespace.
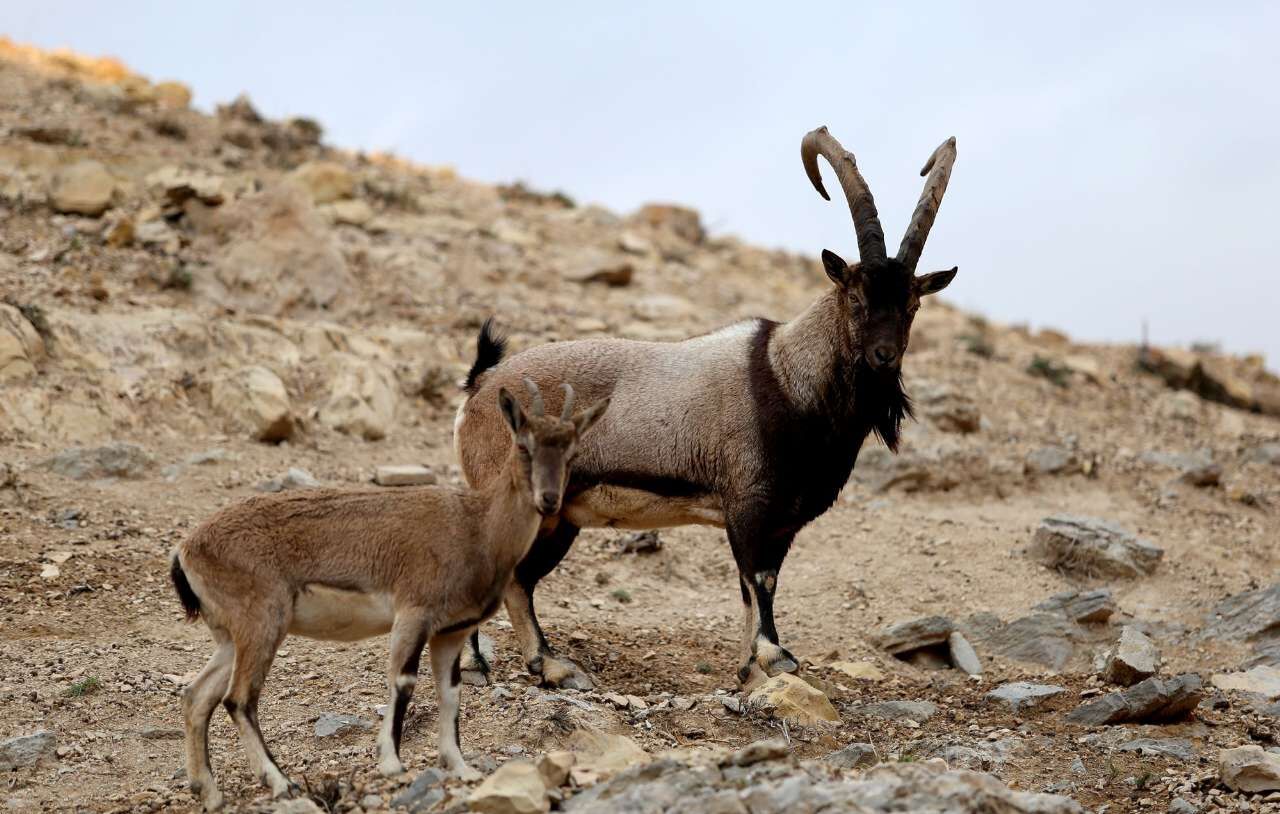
{"x":446,"y":651}
{"x":408,"y":636}
{"x":256,"y":643}
{"x":199,"y":700}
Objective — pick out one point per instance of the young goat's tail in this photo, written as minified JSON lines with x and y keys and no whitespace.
{"x":490,"y":346}
{"x":190,"y":602}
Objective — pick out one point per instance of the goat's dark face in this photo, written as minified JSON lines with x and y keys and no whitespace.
{"x":882,"y":302}
{"x":546,"y":446}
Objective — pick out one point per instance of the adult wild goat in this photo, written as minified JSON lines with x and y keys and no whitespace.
{"x":754,"y":428}
{"x":427,"y":565}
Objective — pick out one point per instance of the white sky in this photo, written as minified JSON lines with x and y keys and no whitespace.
{"x":1118,"y":162}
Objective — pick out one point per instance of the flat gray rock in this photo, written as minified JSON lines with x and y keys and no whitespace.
{"x":1252,"y":616}
{"x":425,"y":791}
{"x":854,"y":756}
{"x":1178,"y":748}
{"x":332,"y":723}
{"x":1153,"y":700}
{"x":116,"y":460}
{"x":1041,"y":638}
{"x":963,"y":657}
{"x":1023,"y":695}
{"x":27,"y":750}
{"x":918,"y":711}
{"x":1090,"y":547}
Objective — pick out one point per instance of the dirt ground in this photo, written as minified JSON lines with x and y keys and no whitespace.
{"x":96,"y":651}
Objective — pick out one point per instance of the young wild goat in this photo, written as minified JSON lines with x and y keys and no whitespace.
{"x":428,"y":565}
{"x":754,"y":428}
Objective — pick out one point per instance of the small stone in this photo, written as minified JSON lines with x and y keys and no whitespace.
{"x":963,"y":656}
{"x":854,"y":756}
{"x":917,"y":711}
{"x":424,"y":792}
{"x":792,"y":698}
{"x":639,"y":542}
{"x":1090,"y":547}
{"x":371,"y":802}
{"x":1249,"y":769}
{"x":160,"y":733}
{"x":300,"y":805}
{"x":861,"y":670}
{"x":1135,"y":658}
{"x":27,"y":750}
{"x":294,"y":478}
{"x":1263,"y":680}
{"x":84,"y":188}
{"x":1181,"y":806}
{"x":759,"y":752}
{"x":1022,"y":695}
{"x":517,"y":787}
{"x":916,"y":634}
{"x":404,"y":475}
{"x":351,"y":212}
{"x":330,"y":724}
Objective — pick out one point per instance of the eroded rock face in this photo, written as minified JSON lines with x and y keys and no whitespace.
{"x":21,"y":346}
{"x":1252,"y":616}
{"x":1090,"y":547}
{"x":84,"y":188}
{"x":362,"y":398}
{"x":1133,"y":659}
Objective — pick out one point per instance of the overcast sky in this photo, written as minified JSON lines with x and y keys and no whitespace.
{"x":1118,"y":162}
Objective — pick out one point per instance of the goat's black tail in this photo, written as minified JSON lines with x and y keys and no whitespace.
{"x":490,"y":346}
{"x":190,"y":602}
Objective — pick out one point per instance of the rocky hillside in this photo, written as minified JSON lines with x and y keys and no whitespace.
{"x":199,"y":306}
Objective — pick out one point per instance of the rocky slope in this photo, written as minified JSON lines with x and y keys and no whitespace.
{"x":196,"y":307}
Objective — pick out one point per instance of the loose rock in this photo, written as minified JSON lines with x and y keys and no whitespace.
{"x":1048,"y":461}
{"x":27,"y":750}
{"x":555,"y":767}
{"x":639,"y":542}
{"x":1152,"y":700}
{"x":1177,"y":748}
{"x":792,"y":698}
{"x":918,"y":711}
{"x":1091,"y":547}
{"x":516,"y":787}
{"x":1082,"y":606}
{"x":332,"y":723}
{"x":21,"y":346}
{"x":117,"y":460}
{"x":854,"y":756}
{"x":1262,"y":680}
{"x":963,"y":656}
{"x":759,"y":752}
{"x":1134,"y":658}
{"x":294,"y":478}
{"x":1023,"y":695}
{"x":254,"y":400}
{"x":1249,"y":768}
{"x":84,"y":188}
{"x":326,"y":181}
{"x":915,"y":635}
{"x":424,"y":792}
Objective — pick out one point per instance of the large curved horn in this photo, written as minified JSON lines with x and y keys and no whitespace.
{"x":566,"y":412}
{"x":535,"y":398}
{"x":938,"y":168}
{"x":866,"y":221}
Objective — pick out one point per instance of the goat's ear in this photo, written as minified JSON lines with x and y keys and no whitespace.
{"x":511,"y":410}
{"x":934,"y":282}
{"x":586,"y":419}
{"x":836,"y":268}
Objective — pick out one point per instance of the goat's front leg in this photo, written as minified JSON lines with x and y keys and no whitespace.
{"x":759,"y":557}
{"x":408,"y":636}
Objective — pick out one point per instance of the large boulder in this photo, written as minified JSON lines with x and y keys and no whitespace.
{"x":255,"y":401}
{"x":324,"y":181}
{"x":83,"y":188}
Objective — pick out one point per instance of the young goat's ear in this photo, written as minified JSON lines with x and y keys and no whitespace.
{"x":836,"y":268}
{"x":511,"y":410}
{"x":586,"y":419}
{"x":934,"y":282}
